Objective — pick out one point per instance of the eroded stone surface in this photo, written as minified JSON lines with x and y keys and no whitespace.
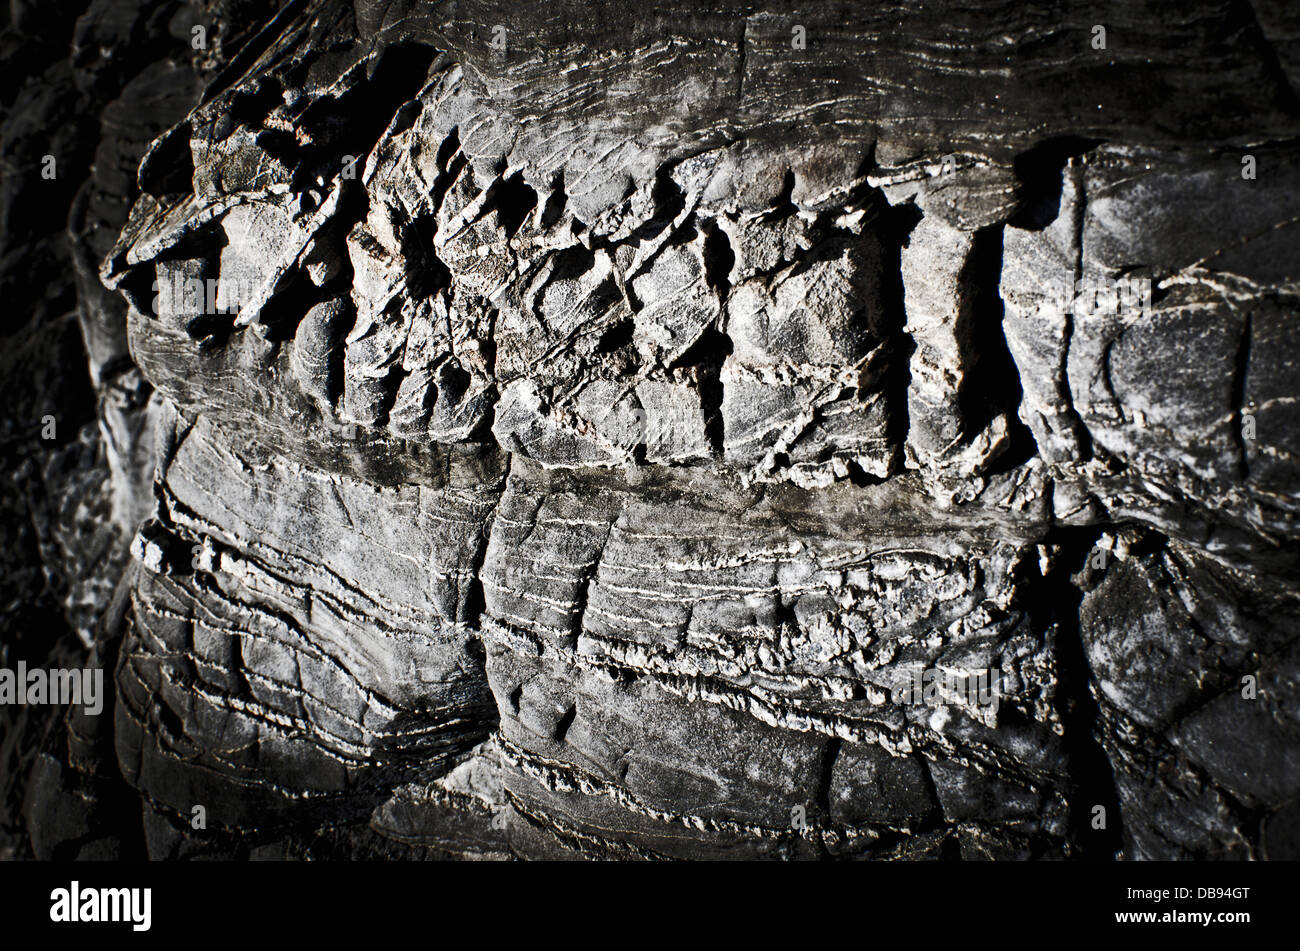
{"x":577,"y":448}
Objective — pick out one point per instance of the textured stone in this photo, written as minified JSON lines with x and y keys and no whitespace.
{"x":577,"y":440}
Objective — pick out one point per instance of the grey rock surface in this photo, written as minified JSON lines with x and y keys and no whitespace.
{"x":554,"y":430}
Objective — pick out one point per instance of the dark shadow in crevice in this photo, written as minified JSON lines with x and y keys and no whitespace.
{"x":418,"y":246}
{"x":556,"y":202}
{"x":707,"y":354}
{"x":783,"y":207}
{"x":991,"y":384}
{"x":668,"y":199}
{"x":893,"y":225}
{"x":1039,"y":171}
{"x":1055,"y":598}
{"x":719,"y":259}
{"x":513,"y":200}
{"x":616,"y":337}
{"x":563,"y":724}
{"x":331,"y":128}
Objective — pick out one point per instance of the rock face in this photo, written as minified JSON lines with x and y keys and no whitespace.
{"x":554,"y":430}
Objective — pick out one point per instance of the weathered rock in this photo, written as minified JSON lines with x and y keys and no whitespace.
{"x":582,"y":432}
